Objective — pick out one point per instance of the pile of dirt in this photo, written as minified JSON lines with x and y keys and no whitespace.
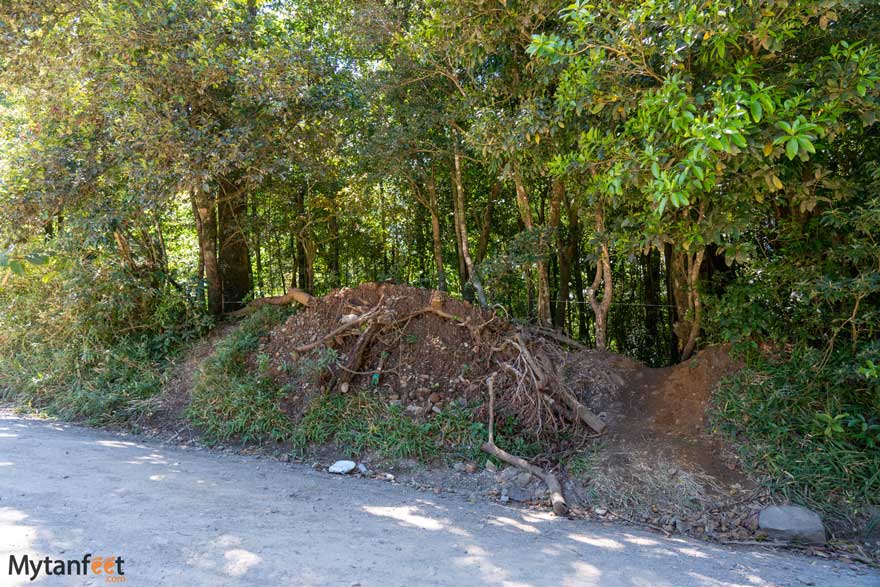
{"x":426,"y":351}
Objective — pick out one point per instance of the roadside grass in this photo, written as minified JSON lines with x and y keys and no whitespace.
{"x":89,"y":344}
{"x":362,"y":422}
{"x":232,"y":401}
{"x":813,"y":431}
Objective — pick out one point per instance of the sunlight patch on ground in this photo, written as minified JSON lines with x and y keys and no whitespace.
{"x":240,"y":561}
{"x":585,"y":575}
{"x":598,"y":542}
{"x":120,"y":444}
{"x":640,"y":540}
{"x":504,"y":521}
{"x":481,"y":560}
{"x":693,"y":552}
{"x":407,"y":515}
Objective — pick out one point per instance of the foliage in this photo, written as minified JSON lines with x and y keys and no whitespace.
{"x":234,"y":400}
{"x":82,"y":340}
{"x":814,"y":432}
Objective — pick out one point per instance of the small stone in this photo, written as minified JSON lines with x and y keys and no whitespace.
{"x":517,"y":494}
{"x":435,"y":398}
{"x":285,"y":458}
{"x":362,"y":469}
{"x":504,"y":499}
{"x":470,"y":468}
{"x":509,"y":473}
{"x":342,"y":467}
{"x":343,"y":387}
{"x":600,"y":511}
{"x":490,"y":466}
{"x":415,"y":410}
{"x":792,"y":522}
{"x":459,"y":466}
{"x":436,"y":409}
{"x":523,"y":479}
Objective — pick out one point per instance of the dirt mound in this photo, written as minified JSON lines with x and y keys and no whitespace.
{"x":426,"y":351}
{"x":682,"y":394}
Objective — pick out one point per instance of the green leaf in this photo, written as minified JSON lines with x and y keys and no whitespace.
{"x":757,"y":111}
{"x":4,"y":260}
{"x":655,"y":170}
{"x":791,"y":148}
{"x":16,"y":267}
{"x":806,"y":145}
{"x":36,"y":258}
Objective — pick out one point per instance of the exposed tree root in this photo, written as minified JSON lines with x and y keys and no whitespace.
{"x":557,"y":499}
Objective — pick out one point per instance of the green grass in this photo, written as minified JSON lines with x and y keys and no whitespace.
{"x":362,"y":422}
{"x":812,"y":432}
{"x":231,"y":401}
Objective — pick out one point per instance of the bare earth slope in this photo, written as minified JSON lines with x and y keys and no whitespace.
{"x":191,"y":517}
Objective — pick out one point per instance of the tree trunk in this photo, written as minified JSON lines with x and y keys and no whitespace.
{"x":583,"y":330}
{"x":543,"y":309}
{"x":564,"y":250}
{"x":686,"y":277}
{"x":204,"y":210}
{"x":234,"y":255}
{"x":603,"y":275}
{"x":651,"y":297}
{"x":302,"y":263}
{"x":333,"y":264}
{"x":486,"y":227}
{"x":436,"y":235}
{"x":461,"y":221}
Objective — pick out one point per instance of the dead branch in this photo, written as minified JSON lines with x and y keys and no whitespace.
{"x":560,"y":508}
{"x":558,"y":337}
{"x":336,"y":332}
{"x":293,"y":295}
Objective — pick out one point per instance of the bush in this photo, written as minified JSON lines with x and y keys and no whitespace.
{"x":81,"y":339}
{"x":814,"y":430}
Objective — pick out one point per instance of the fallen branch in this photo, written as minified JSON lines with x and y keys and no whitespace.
{"x":336,"y":332}
{"x":292,"y":295}
{"x":558,"y":337}
{"x":560,"y":508}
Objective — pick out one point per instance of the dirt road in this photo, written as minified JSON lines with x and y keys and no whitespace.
{"x":194,"y":517}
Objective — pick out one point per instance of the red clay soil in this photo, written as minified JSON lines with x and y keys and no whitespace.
{"x":426,"y":360}
{"x":665,"y":411}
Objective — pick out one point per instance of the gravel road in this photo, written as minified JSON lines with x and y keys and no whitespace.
{"x":190,"y":517}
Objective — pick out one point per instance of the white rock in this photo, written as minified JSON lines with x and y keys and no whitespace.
{"x":342,"y":467}
{"x":792,"y":522}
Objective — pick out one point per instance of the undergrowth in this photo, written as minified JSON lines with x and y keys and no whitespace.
{"x":231,"y":400}
{"x":364,"y":422}
{"x":81,"y":340}
{"x":811,"y":427}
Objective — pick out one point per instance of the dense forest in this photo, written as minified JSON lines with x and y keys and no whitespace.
{"x":646,"y":176}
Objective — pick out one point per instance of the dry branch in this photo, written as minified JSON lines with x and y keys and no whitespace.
{"x":560,"y":508}
{"x":336,"y":332}
{"x":292,"y":295}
